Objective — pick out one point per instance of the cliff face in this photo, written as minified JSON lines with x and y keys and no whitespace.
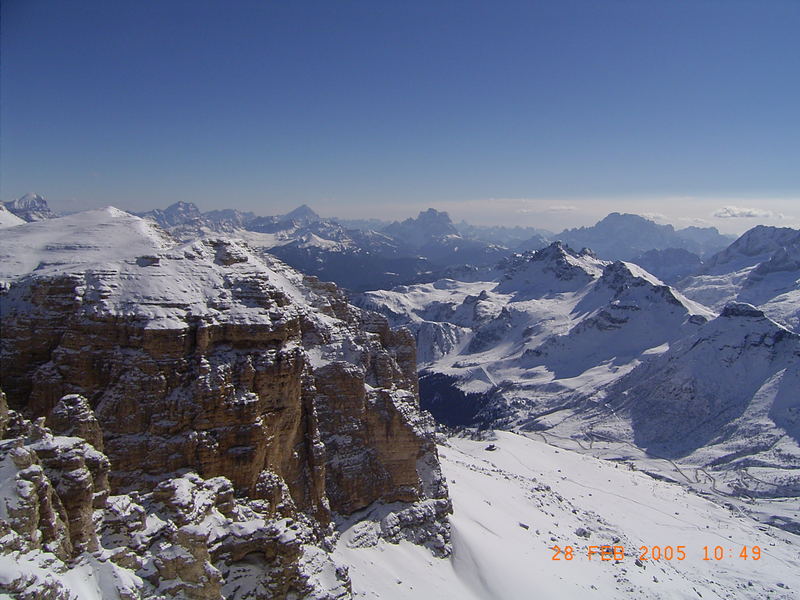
{"x":209,"y":359}
{"x":65,"y":537}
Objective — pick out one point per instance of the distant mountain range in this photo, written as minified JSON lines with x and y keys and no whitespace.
{"x":356,"y":258}
{"x":625,"y":237}
{"x":374,"y":254}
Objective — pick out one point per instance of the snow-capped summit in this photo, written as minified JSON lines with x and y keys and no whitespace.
{"x":95,"y":236}
{"x":551,"y":270}
{"x":620,"y":275}
{"x":185,"y":221}
{"x":544,"y":329}
{"x":179,"y":213}
{"x":753,"y":247}
{"x":30,"y":207}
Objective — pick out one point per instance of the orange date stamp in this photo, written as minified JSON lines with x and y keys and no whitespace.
{"x":616,"y":553}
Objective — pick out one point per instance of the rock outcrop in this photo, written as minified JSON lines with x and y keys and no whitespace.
{"x":206,"y":364}
{"x":187,"y":538}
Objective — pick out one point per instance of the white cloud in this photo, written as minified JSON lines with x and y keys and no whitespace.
{"x":737,"y":212}
{"x":654,"y":216}
{"x":562,"y":208}
{"x":700,"y":222}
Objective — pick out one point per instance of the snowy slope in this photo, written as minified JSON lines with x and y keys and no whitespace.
{"x":8,"y":219}
{"x":513,"y":504}
{"x":91,"y":237}
{"x":762,"y":267}
{"x":725,"y":398}
{"x":130,"y":267}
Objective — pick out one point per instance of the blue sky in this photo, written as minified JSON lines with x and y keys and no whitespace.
{"x":538,"y":113}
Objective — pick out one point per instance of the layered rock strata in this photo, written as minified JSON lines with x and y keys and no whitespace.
{"x":208,"y":361}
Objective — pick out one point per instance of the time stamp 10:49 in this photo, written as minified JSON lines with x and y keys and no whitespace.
{"x":654,"y":553}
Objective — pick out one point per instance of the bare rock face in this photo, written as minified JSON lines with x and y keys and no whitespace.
{"x":204,"y":359}
{"x":73,"y":416}
{"x":187,"y":538}
{"x":56,"y":482}
{"x":230,"y":380}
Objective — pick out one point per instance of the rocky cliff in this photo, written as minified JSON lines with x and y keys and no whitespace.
{"x":212,"y":372}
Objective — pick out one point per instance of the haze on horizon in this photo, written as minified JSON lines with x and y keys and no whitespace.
{"x":546,"y":114}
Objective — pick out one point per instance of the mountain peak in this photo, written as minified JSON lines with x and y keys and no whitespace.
{"x":435,"y":222}
{"x":556,"y":268}
{"x":620,"y":274}
{"x":188,"y":209}
{"x":431,"y":214}
{"x":430,"y":224}
{"x":624,"y":236}
{"x":30,"y":199}
{"x":302,"y":213}
{"x":754,"y":246}
{"x":625,"y":220}
{"x":556,"y":248}
{"x":30,"y":207}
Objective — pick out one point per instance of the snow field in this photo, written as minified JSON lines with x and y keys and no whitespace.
{"x":513,"y":504}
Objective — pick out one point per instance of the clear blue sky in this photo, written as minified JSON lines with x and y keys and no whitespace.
{"x":540,"y":112}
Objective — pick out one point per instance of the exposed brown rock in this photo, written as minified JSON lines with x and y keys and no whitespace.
{"x":223,"y":397}
{"x":259,"y":403}
{"x":72,"y":416}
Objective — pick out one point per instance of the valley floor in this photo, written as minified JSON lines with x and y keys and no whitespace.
{"x":515,"y":503}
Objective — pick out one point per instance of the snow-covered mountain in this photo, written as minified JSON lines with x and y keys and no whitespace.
{"x":753,"y":247}
{"x":626,"y":236}
{"x":30,"y":207}
{"x":429,"y":225}
{"x":544,"y":329}
{"x":762,"y":268}
{"x":432,"y":235}
{"x":606,"y":356}
{"x":185,"y":221}
{"x":303,"y":214}
{"x":725,"y":396}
